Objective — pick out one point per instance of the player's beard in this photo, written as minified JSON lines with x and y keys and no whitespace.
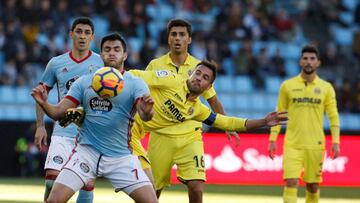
{"x":194,"y":89}
{"x":308,"y":71}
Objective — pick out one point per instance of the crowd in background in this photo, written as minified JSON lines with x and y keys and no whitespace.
{"x":257,"y":38}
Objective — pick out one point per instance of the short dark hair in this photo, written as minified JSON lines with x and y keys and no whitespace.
{"x":179,"y":23}
{"x":83,"y":20}
{"x":310,"y":49}
{"x":211,"y":65}
{"x":113,"y":37}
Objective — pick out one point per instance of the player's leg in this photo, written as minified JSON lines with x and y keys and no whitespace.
{"x":292,"y":165}
{"x":80,"y":170}
{"x":145,"y":165}
{"x":65,"y":186}
{"x":160,"y":151}
{"x":86,"y":194}
{"x":125,"y":174}
{"x":144,"y":194}
{"x":50,"y":177}
{"x":313,"y":174}
{"x":195,"y":190}
{"x":59,"y":151}
{"x":191,"y":166}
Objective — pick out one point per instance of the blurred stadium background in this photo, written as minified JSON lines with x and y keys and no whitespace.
{"x":256,"y":43}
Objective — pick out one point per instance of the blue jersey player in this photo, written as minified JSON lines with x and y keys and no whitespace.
{"x":104,"y":138}
{"x":62,"y":71}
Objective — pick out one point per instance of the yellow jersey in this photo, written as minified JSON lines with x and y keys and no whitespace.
{"x":306,"y":104}
{"x":165,"y":63}
{"x":169,"y":92}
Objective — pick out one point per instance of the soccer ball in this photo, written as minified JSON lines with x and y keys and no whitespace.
{"x":107,"y":82}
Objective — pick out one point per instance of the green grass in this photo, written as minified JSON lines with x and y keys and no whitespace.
{"x":31,"y":190}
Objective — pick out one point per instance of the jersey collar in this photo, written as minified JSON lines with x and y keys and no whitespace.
{"x":316,"y":80}
{"x":169,"y":61}
{"x":79,"y":61}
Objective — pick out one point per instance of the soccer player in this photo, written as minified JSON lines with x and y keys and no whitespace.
{"x":179,"y":61}
{"x":103,"y":148}
{"x":176,"y":101}
{"x":63,"y":70}
{"x":306,"y":97}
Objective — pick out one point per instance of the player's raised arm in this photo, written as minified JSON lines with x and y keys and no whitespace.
{"x":55,"y":112}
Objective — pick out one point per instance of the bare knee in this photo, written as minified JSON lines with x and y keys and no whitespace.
{"x":195,"y":190}
{"x":51,"y":174}
{"x":312,"y":187}
{"x":292,"y":182}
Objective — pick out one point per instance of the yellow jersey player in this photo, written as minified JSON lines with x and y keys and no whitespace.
{"x":176,"y":101}
{"x":179,"y":61}
{"x":306,"y":97}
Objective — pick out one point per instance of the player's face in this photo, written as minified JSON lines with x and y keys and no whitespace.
{"x":309,"y":62}
{"x":200,"y":80}
{"x":178,"y":40}
{"x":81,"y":37}
{"x":113,"y":54}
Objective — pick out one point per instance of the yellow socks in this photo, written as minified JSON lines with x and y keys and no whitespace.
{"x":312,"y":197}
{"x":290,"y":195}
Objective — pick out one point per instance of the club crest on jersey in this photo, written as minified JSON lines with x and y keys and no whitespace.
{"x":190,"y":111}
{"x":58,"y":159}
{"x":91,"y":68}
{"x":317,"y":90}
{"x":100,"y":105}
{"x":70,"y":82}
{"x":84,"y":167}
{"x":162,"y":73}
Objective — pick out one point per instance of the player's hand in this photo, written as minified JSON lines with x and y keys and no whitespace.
{"x":73,"y":115}
{"x":39,"y":94}
{"x":146,"y":103}
{"x":236,"y":136}
{"x":40,"y":138}
{"x":272,"y":149}
{"x":276,"y":118}
{"x":335,"y":151}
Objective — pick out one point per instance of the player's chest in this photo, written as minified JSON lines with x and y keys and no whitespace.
{"x":176,"y":106}
{"x":67,"y":73}
{"x":312,"y":95}
{"x":119,"y":105}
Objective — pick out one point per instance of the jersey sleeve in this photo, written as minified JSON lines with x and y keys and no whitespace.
{"x":76,"y":91}
{"x":209,"y":93}
{"x":333,"y":115}
{"x":219,"y":121}
{"x":140,"y":88}
{"x":282,"y":105}
{"x":49,"y":76}
{"x":229,"y":123}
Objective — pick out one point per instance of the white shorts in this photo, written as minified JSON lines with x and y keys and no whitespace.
{"x":124,"y":173}
{"x":59,"y":152}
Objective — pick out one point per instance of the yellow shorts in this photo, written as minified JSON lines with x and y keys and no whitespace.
{"x":138,"y":133}
{"x":187,"y":152}
{"x":309,"y":161}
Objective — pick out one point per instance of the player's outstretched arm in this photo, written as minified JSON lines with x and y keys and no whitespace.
{"x":144,"y":107}
{"x":272,"y":119}
{"x":55,"y":112}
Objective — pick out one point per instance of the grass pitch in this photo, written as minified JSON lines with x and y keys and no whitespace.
{"x":31,"y":191}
